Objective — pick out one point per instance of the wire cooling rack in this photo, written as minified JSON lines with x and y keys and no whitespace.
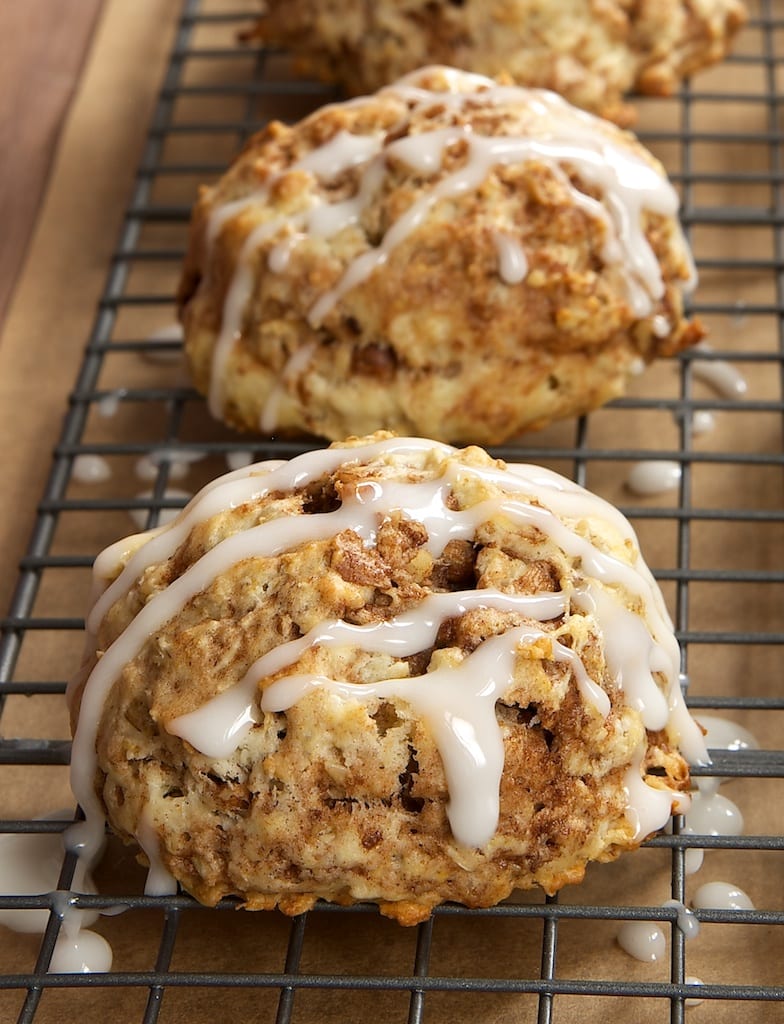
{"x":716,"y":544}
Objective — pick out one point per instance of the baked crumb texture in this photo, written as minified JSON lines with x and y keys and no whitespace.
{"x":452,"y":257}
{"x":593,"y":52}
{"x":385,"y":671}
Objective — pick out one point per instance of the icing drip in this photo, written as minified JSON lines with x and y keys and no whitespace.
{"x":459,"y":702}
{"x":720,"y":375}
{"x":91,"y":469}
{"x":721,"y":896}
{"x":297,"y":362}
{"x":562,"y":138}
{"x":512,"y":261}
{"x":712,"y":814}
{"x":30,"y":865}
{"x":644,"y":940}
{"x":688,"y":923}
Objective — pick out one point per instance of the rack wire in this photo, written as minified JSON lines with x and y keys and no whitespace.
{"x":716,"y":546}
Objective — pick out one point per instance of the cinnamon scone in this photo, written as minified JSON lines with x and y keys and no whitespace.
{"x":593,"y":52}
{"x":387,"y":671}
{"x":451,"y":257}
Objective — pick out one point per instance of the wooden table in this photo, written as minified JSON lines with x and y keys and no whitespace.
{"x":42,"y":51}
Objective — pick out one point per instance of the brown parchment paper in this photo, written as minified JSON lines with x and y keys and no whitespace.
{"x":40,"y":351}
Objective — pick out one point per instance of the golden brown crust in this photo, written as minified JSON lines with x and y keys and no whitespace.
{"x":435,"y":341}
{"x":347,"y":800}
{"x":593,"y":52}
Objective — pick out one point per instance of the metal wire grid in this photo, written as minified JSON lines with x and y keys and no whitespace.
{"x":165,"y":419}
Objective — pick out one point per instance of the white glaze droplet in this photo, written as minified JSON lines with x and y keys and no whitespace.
{"x":644,"y":940}
{"x":724,"y":734}
{"x":692,"y":1001}
{"x":721,"y":896}
{"x":158,"y":342}
{"x":165,"y":515}
{"x":654,"y":476}
{"x":512,"y":261}
{"x":660,"y":325}
{"x":91,"y":469}
{"x":179,"y":463}
{"x":83,"y":953}
{"x":692,"y":861}
{"x":718,"y":374}
{"x":712,"y":814}
{"x":702,"y":422}
{"x":110,"y":403}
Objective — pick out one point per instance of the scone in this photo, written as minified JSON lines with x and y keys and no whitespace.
{"x":387,"y":671}
{"x":593,"y":53}
{"x":452,"y":257}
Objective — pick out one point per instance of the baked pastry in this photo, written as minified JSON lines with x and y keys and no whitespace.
{"x":593,"y":53}
{"x":387,"y":671}
{"x":452,"y":257}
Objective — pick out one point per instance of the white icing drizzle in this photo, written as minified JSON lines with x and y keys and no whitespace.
{"x":296,"y":364}
{"x":718,"y":374}
{"x":459,"y":705}
{"x":653,"y":476}
{"x":644,"y":940}
{"x":561,"y":137}
{"x":647,"y":809}
{"x":91,"y":469}
{"x":218,"y":727}
{"x":512,"y":261}
{"x":721,"y":896}
{"x":459,"y":702}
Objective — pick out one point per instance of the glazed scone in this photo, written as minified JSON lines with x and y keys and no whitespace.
{"x":452,"y":257}
{"x":387,"y":671}
{"x":593,"y":53}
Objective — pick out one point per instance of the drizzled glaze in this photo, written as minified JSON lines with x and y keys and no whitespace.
{"x":459,"y":703}
{"x":560,"y":137}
